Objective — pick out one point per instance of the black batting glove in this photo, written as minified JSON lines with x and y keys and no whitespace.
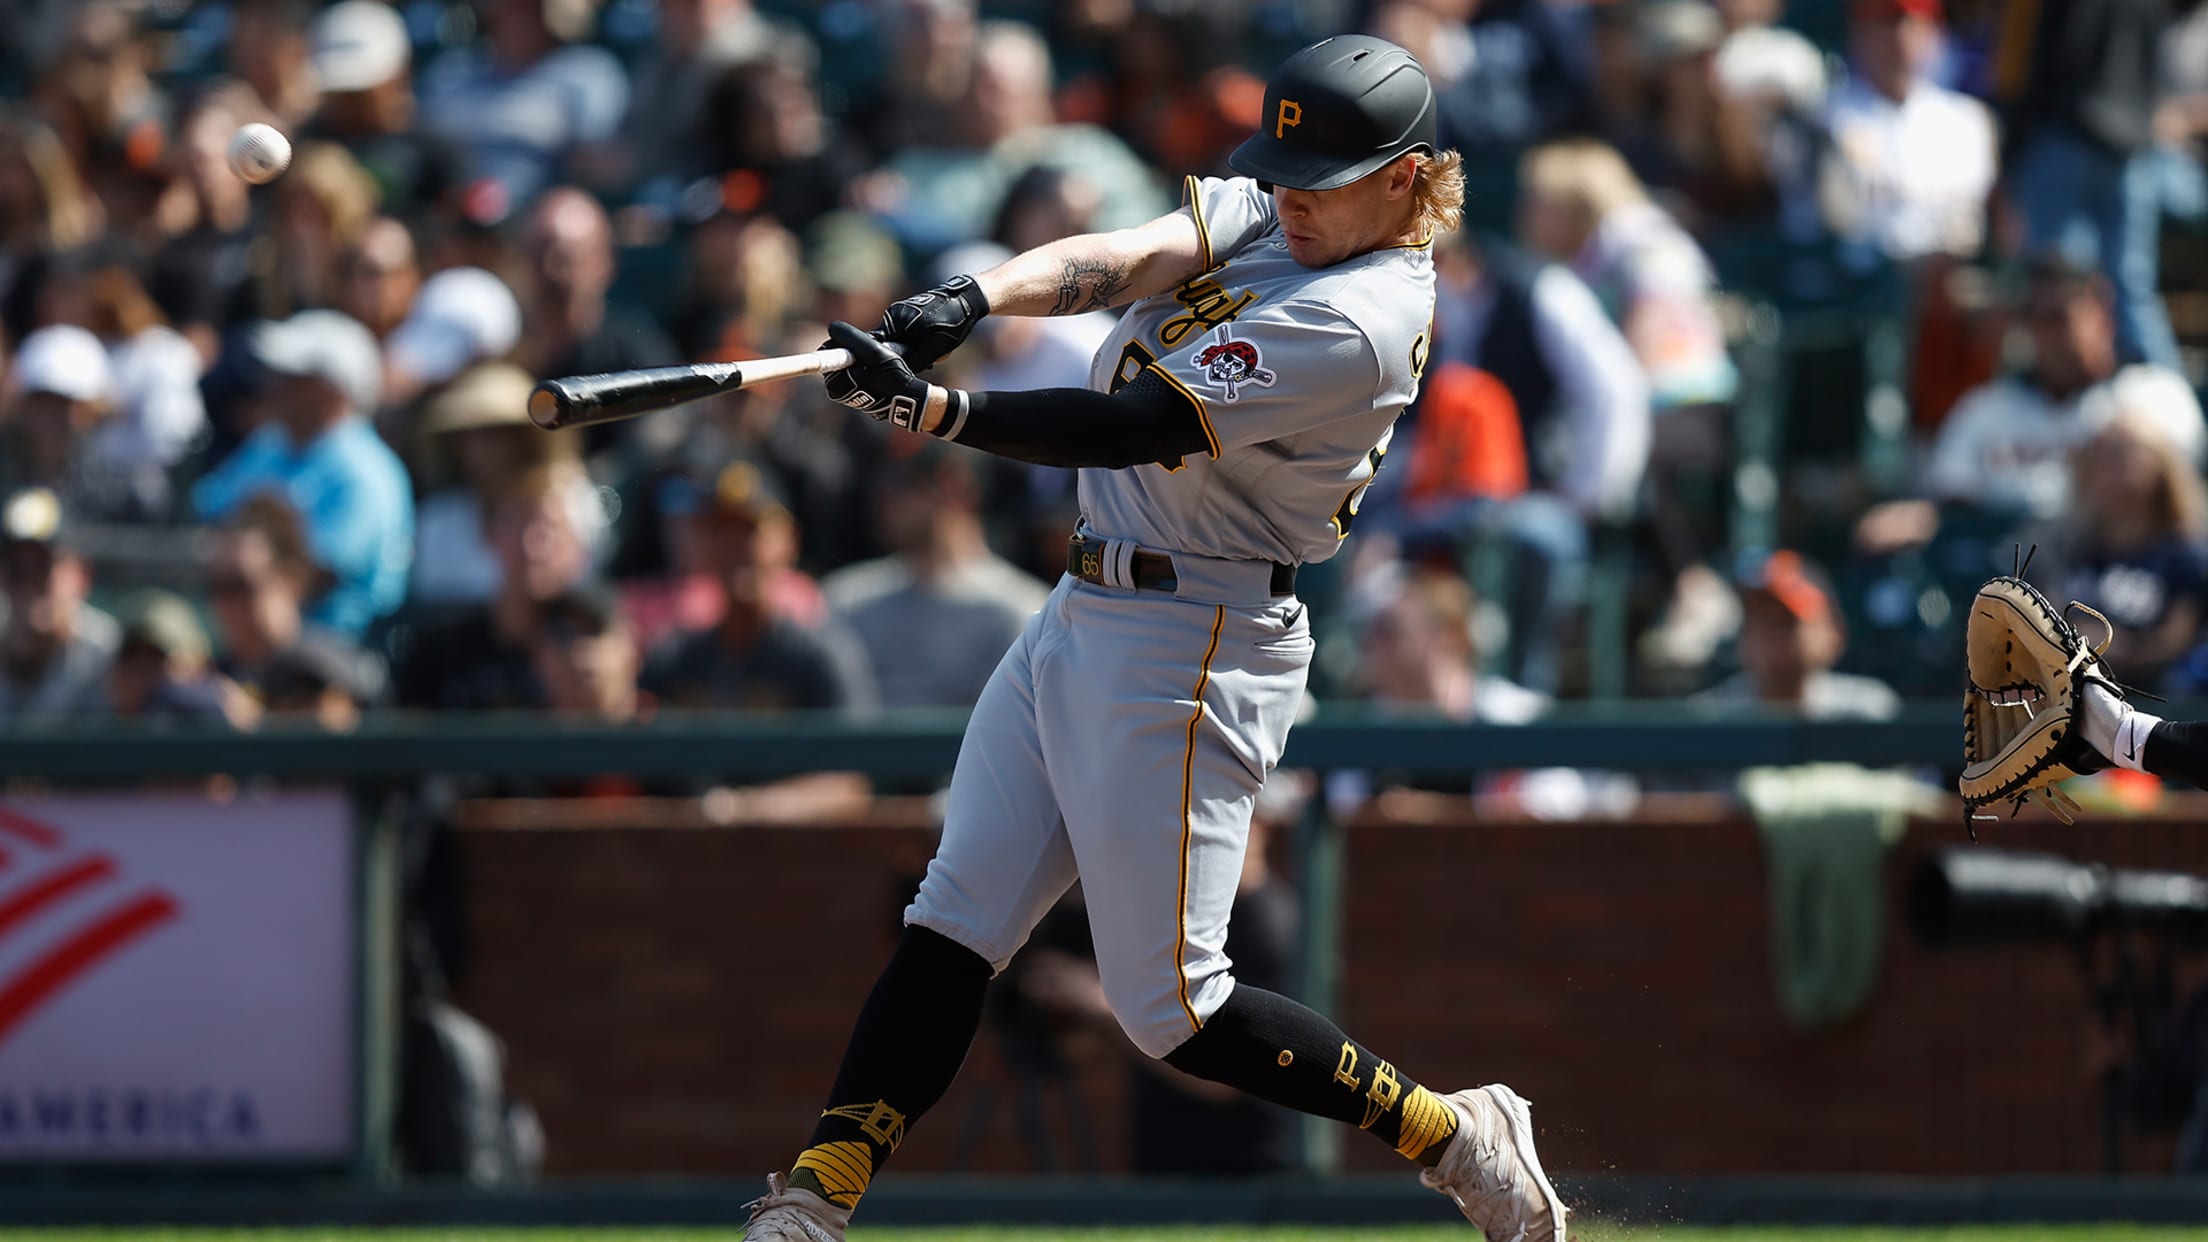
{"x":932,"y":324}
{"x":877,"y":384}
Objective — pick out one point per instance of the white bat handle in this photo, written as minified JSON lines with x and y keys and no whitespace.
{"x":768,"y":370}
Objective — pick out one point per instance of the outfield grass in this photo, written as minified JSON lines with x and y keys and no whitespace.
{"x":1593,"y":1232}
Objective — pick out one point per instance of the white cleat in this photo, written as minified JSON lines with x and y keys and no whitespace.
{"x":787,"y":1215}
{"x":1490,"y":1170}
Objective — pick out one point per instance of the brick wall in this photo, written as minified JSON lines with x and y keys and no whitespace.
{"x":674,"y":999}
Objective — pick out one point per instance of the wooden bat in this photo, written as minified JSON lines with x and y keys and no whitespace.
{"x":581,"y":400}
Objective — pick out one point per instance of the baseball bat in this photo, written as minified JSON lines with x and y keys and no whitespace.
{"x":582,"y":400}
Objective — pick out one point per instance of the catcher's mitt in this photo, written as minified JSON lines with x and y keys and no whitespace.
{"x":2022,"y":734}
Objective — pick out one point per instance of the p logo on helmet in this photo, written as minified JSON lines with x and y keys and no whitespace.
{"x":1290,"y":113}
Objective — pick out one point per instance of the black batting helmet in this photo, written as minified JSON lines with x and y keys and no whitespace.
{"x":1337,"y":110}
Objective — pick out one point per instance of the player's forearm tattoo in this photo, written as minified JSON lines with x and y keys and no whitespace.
{"x":1103,"y":279}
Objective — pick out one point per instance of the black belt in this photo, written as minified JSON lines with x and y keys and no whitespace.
{"x":1151,"y":571}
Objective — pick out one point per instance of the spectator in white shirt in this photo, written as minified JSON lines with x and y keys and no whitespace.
{"x":2006,"y":447}
{"x":1911,"y":163}
{"x":480,"y":426}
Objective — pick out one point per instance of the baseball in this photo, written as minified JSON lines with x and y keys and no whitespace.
{"x":259,"y":154}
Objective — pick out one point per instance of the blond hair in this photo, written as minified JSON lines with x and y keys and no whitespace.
{"x":71,"y":215}
{"x":1588,"y":177}
{"x":2179,"y":498}
{"x":1437,"y":192}
{"x":346,"y":192}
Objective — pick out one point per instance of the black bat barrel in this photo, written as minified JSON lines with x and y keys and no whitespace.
{"x":578,"y":400}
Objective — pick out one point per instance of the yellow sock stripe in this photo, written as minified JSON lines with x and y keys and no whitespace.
{"x":842,"y":1169}
{"x":1188,"y":825}
{"x":1426,"y":1121}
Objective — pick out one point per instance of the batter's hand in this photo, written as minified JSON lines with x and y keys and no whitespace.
{"x":932,"y":324}
{"x":877,"y":384}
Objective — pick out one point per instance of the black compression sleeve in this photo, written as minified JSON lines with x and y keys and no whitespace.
{"x":2178,"y":749}
{"x":1146,"y":421}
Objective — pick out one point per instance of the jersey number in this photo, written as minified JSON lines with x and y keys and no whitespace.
{"x":1133,"y":361}
{"x":1348,"y":512}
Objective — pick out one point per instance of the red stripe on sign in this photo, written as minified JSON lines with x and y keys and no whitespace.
{"x":37,"y":983}
{"x":53,"y":888}
{"x":28,"y":829}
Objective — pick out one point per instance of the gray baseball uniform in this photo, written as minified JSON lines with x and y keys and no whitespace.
{"x":1124,"y":736}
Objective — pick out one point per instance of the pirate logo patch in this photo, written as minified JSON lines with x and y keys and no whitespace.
{"x":1230,"y":364}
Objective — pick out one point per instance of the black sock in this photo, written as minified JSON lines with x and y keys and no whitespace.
{"x":911,"y":1038}
{"x":1277,"y":1050}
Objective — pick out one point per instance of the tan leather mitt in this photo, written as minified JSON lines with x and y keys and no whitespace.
{"x":2021,"y":732}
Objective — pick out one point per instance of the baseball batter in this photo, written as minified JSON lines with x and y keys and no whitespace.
{"x":1276,"y":326}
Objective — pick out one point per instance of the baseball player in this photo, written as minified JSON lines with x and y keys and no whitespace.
{"x":1276,"y":325}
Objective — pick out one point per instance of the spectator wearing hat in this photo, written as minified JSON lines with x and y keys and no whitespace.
{"x":857,"y":268}
{"x":480,"y":426}
{"x":321,"y":454}
{"x":480,"y":658}
{"x":568,"y":326}
{"x":755,"y":657}
{"x":258,"y":584}
{"x":1909,"y":163}
{"x":1791,"y":639}
{"x":529,"y":96}
{"x":1762,"y":63}
{"x":461,"y":317}
{"x":2081,"y":84}
{"x":163,"y":673}
{"x":55,"y":649}
{"x":60,"y":392}
{"x":936,"y":615}
{"x":360,"y":58}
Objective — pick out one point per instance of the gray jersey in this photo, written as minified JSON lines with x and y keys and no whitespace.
{"x":1298,"y":373}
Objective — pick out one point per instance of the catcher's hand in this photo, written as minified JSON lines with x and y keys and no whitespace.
{"x":2023,"y":728}
{"x":931,"y":324}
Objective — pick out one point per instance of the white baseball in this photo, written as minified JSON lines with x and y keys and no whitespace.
{"x":259,"y":154}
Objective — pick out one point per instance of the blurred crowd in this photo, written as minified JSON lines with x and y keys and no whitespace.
{"x":1773,"y":327}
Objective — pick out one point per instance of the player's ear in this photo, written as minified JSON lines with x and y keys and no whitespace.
{"x":1403,"y":175}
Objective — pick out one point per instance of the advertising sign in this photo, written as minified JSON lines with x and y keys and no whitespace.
{"x":177,"y":978}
